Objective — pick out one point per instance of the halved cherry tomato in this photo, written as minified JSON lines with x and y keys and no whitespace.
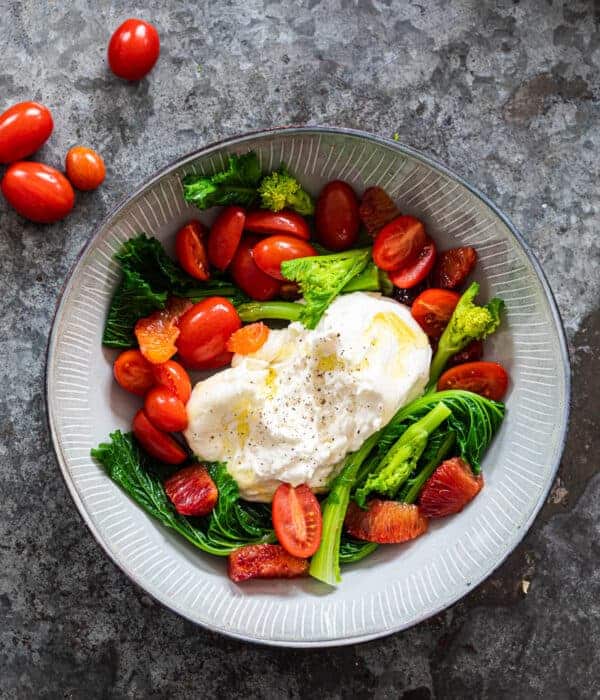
{"x":248,"y":339}
{"x":336,"y":216}
{"x":133,"y":49}
{"x":173,"y":376}
{"x":488,"y":379}
{"x":398,"y":243}
{"x":24,"y":127}
{"x":205,"y":330}
{"x":225,"y":236}
{"x":297,"y":519}
{"x":270,"y":252}
{"x":454,"y":266}
{"x":190,"y":251}
{"x":157,"y":333}
{"x":133,"y":372}
{"x":85,"y":168}
{"x":155,"y":442}
{"x":248,"y":276}
{"x":165,"y":410}
{"x":270,"y":222}
{"x":38,"y":192}
{"x":472,"y":353}
{"x":432,"y":310}
{"x":416,"y":271}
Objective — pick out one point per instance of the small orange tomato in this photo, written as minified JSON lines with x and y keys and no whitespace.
{"x":85,"y":168}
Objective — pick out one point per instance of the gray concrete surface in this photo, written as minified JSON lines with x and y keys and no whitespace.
{"x":504,"y":92}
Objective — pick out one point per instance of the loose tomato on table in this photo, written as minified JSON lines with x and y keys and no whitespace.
{"x":133,"y":372}
{"x":248,"y":276}
{"x":225,"y":236}
{"x":85,"y":168}
{"x":157,"y":443}
{"x":454,"y":266}
{"x":433,"y":308}
{"x":487,"y":379}
{"x":204,"y":332}
{"x":173,"y":376}
{"x":270,"y":252}
{"x":165,"y":410}
{"x":156,"y":334}
{"x":336,"y":216}
{"x":398,"y":243}
{"x":38,"y":192}
{"x":190,"y":250}
{"x":297,"y":519}
{"x":415,"y":271}
{"x":270,"y":222}
{"x":249,"y":338}
{"x":192,"y":491}
{"x":24,"y":128}
{"x":133,"y":49}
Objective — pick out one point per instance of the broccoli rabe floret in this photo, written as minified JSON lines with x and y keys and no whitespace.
{"x":280,"y":190}
{"x":468,"y":322}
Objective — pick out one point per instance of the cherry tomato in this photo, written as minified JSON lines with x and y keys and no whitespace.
{"x":133,"y":49}
{"x":473,"y":352}
{"x":270,"y":222}
{"x":415,"y":271}
{"x":85,"y":168}
{"x":190,"y":251}
{"x":248,"y":339}
{"x":454,"y":266}
{"x":399,"y":243}
{"x":248,"y":276}
{"x":156,"y":334}
{"x":156,"y":443}
{"x":336,"y":216}
{"x":488,"y":379}
{"x":173,"y":376}
{"x":205,"y":330}
{"x":164,"y":410}
{"x":133,"y":372}
{"x":38,"y":192}
{"x":269,"y":253}
{"x":432,"y":310}
{"x":220,"y":360}
{"x":297,"y":519}
{"x":24,"y":127}
{"x":225,"y":236}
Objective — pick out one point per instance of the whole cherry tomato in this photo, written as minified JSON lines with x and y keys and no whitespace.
{"x":24,"y":127}
{"x":433,"y":308}
{"x":38,"y":192}
{"x":204,"y":331}
{"x":415,"y":271}
{"x":165,"y":410}
{"x":157,"y":443}
{"x":398,"y":243}
{"x":272,"y":251}
{"x":270,"y":222}
{"x":85,"y":168}
{"x":133,"y":49}
{"x":248,"y":276}
{"x":173,"y":376}
{"x":336,"y":216}
{"x":190,"y":250}
{"x":225,"y":236}
{"x":133,"y":372}
{"x":488,"y":379}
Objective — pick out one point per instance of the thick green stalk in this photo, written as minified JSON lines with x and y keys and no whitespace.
{"x":415,"y":486}
{"x":257,"y":310}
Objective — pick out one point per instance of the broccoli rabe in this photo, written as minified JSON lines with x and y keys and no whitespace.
{"x":280,"y":190}
{"x":468,"y":322}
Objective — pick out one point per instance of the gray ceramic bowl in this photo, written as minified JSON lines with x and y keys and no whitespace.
{"x":399,"y":585}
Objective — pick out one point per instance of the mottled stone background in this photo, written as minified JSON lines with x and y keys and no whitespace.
{"x":504,"y":92}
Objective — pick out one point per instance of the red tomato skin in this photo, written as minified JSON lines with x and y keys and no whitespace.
{"x":433,"y":308}
{"x":221,"y":360}
{"x":165,"y":410}
{"x":414,"y":272}
{"x":24,"y":127}
{"x":488,"y":379}
{"x":38,"y":192}
{"x":398,"y":243}
{"x":173,"y":376}
{"x":248,"y":276}
{"x":269,"y":253}
{"x":190,"y":250}
{"x":156,"y":443}
{"x":204,"y":331}
{"x":133,"y":372}
{"x":297,"y":519}
{"x":85,"y":168}
{"x":285,"y":222}
{"x":225,"y":236}
{"x":133,"y":49}
{"x":337,"y":217}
